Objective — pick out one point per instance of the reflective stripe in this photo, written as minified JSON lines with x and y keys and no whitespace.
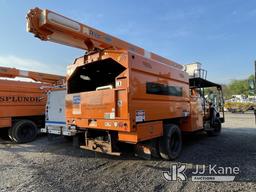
{"x":55,"y":122}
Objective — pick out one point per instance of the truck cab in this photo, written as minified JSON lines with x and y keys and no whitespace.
{"x":209,"y":97}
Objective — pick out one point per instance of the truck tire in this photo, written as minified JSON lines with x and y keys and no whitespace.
{"x":24,"y":131}
{"x":10,"y":133}
{"x":68,"y":138}
{"x":170,"y":144}
{"x":77,"y":140}
{"x":216,"y":129}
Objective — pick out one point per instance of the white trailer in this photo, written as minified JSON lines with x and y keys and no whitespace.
{"x":55,"y":119}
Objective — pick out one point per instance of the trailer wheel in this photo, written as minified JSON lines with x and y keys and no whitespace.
{"x":216,"y":129}
{"x":170,"y":144}
{"x":24,"y":131}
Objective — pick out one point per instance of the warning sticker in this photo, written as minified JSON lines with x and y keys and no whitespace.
{"x":140,"y":116}
{"x":76,"y":105}
{"x":76,"y":99}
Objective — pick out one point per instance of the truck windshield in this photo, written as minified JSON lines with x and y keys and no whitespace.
{"x":95,"y":75}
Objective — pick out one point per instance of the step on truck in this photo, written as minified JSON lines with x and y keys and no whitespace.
{"x":120,"y":93}
{"x":22,"y":102}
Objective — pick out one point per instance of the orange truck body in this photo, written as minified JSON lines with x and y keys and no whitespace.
{"x":20,"y":100}
{"x":119,"y":109}
{"x":24,"y":100}
{"x":120,"y":89}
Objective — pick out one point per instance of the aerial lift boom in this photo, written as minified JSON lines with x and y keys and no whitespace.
{"x":50,"y":26}
{"x":36,"y":76}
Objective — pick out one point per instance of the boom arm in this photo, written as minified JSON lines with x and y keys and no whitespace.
{"x":50,"y":26}
{"x":36,"y":76}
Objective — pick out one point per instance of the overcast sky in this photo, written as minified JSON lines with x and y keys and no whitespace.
{"x":221,"y":34}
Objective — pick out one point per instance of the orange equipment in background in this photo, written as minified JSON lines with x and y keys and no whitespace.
{"x":22,"y":103}
{"x":119,"y":92}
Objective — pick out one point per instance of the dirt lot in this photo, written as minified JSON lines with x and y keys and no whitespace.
{"x":55,"y":165}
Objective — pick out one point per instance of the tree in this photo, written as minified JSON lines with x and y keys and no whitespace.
{"x":237,"y":87}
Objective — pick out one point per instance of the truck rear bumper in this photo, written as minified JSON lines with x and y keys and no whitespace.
{"x":58,"y":130}
{"x":99,"y":146}
{"x":101,"y":124}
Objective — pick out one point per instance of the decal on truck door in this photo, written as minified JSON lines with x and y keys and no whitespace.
{"x":140,"y":116}
{"x":76,"y":105}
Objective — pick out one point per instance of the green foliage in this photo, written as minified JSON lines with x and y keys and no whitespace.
{"x":237,"y":87}
{"x":251,"y":77}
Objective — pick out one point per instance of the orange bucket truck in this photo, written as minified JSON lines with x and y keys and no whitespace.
{"x":22,"y":103}
{"x":120,"y":93}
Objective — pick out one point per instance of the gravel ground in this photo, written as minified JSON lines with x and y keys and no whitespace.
{"x":54,"y":165}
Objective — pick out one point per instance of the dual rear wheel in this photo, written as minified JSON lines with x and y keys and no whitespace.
{"x":170,"y":144}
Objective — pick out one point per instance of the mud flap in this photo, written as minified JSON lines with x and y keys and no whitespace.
{"x":147,"y":150}
{"x":101,"y":146}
